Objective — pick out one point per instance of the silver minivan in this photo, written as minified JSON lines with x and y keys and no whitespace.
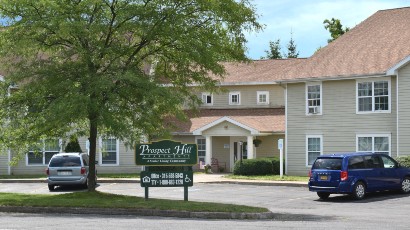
{"x":68,"y":169}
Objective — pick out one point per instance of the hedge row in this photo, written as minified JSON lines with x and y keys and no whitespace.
{"x":262,"y":166}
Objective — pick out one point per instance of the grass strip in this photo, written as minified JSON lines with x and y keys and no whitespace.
{"x":106,"y":200}
{"x":269,"y":177}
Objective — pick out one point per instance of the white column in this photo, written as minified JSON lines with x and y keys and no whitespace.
{"x":208,"y":152}
{"x":250,"y":147}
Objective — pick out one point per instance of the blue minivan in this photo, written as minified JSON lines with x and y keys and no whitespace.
{"x":356,"y":174}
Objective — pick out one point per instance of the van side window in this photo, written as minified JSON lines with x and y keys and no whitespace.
{"x":356,"y":163}
{"x":373,"y":162}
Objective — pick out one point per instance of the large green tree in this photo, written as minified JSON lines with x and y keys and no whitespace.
{"x":110,"y":67}
{"x":335,"y":28}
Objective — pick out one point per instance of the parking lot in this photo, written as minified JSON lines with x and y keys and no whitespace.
{"x":288,"y":202}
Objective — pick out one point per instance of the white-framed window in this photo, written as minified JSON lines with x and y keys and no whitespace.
{"x":314,"y":99}
{"x":201,"y":142}
{"x":373,"y":96}
{"x":41,"y":154}
{"x":314,"y":148}
{"x":262,"y":97}
{"x":374,"y":143}
{"x":207,"y":99}
{"x":234,"y":98}
{"x":109,"y":151}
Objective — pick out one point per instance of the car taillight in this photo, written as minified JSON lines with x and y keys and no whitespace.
{"x":48,"y":172}
{"x":82,"y":170}
{"x":310,"y":173}
{"x":343,"y":175}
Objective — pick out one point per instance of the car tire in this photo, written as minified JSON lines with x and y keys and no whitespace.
{"x":405,"y":185}
{"x":323,"y":195}
{"x":51,"y":187}
{"x":359,"y":191}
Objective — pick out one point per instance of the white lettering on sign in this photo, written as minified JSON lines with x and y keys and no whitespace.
{"x":147,"y":150}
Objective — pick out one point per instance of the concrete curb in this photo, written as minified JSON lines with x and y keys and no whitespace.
{"x":139,"y":212}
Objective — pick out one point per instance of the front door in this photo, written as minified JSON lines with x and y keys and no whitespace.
{"x":236,"y":152}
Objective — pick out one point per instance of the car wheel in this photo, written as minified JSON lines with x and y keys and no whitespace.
{"x":323,"y":195}
{"x":359,"y":191}
{"x":405,"y":185}
{"x":51,"y":187}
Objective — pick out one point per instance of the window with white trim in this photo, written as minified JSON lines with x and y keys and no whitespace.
{"x":201,"y":142}
{"x":314,"y":99}
{"x":374,"y":143}
{"x":41,"y":154}
{"x":373,"y":96}
{"x":234,"y":98}
{"x":314,"y":148}
{"x":262,"y":97}
{"x":207,"y":99}
{"x":109,"y":151}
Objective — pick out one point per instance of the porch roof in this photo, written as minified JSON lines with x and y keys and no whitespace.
{"x":266,"y":120}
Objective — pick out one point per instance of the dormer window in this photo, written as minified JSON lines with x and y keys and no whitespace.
{"x":207,"y":99}
{"x":234,"y":98}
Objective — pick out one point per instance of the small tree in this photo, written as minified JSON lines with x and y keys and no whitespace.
{"x":292,"y":51}
{"x":274,"y":50}
{"x":335,"y":28}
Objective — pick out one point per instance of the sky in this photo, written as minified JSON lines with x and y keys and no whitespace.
{"x":304,"y":19}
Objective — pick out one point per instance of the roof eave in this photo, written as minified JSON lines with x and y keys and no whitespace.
{"x":333,"y":78}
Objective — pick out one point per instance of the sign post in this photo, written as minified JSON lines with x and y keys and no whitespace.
{"x":166,"y":153}
{"x":280,"y":147}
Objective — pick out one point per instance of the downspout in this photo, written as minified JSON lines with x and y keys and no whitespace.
{"x":397,"y":113}
{"x":286,"y":126}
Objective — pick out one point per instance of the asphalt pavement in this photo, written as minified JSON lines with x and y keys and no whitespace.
{"x":198,"y":178}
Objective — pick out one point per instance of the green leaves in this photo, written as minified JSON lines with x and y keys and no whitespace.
{"x":77,"y":61}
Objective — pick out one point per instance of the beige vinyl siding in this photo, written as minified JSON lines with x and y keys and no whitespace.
{"x":404,"y":110}
{"x":268,"y":147}
{"x":339,"y":124}
{"x":185,"y":139}
{"x":4,"y":159}
{"x":248,"y":96}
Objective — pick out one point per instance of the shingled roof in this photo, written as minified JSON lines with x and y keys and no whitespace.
{"x":371,"y":48}
{"x":263,"y":120}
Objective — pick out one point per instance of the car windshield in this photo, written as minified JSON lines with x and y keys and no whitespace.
{"x":328,"y":163}
{"x":65,"y":161}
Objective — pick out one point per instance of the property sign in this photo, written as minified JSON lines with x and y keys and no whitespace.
{"x":166,"y":153}
{"x":166,"y":179}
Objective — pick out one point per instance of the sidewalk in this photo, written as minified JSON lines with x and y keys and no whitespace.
{"x":198,"y":178}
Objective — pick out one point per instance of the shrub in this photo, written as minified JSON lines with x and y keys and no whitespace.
{"x":73,"y":146}
{"x":404,"y":161}
{"x":261,"y":166}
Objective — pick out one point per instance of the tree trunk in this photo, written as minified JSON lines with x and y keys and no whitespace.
{"x":93,"y":147}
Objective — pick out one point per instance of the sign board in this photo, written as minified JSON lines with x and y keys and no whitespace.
{"x":166,"y":179}
{"x":166,"y":153}
{"x":280,"y":144}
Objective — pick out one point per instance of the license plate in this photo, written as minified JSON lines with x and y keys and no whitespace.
{"x":64,"y":173}
{"x":323,"y":177}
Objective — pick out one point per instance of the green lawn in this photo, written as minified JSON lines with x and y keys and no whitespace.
{"x":269,"y":177}
{"x":105,"y":200}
